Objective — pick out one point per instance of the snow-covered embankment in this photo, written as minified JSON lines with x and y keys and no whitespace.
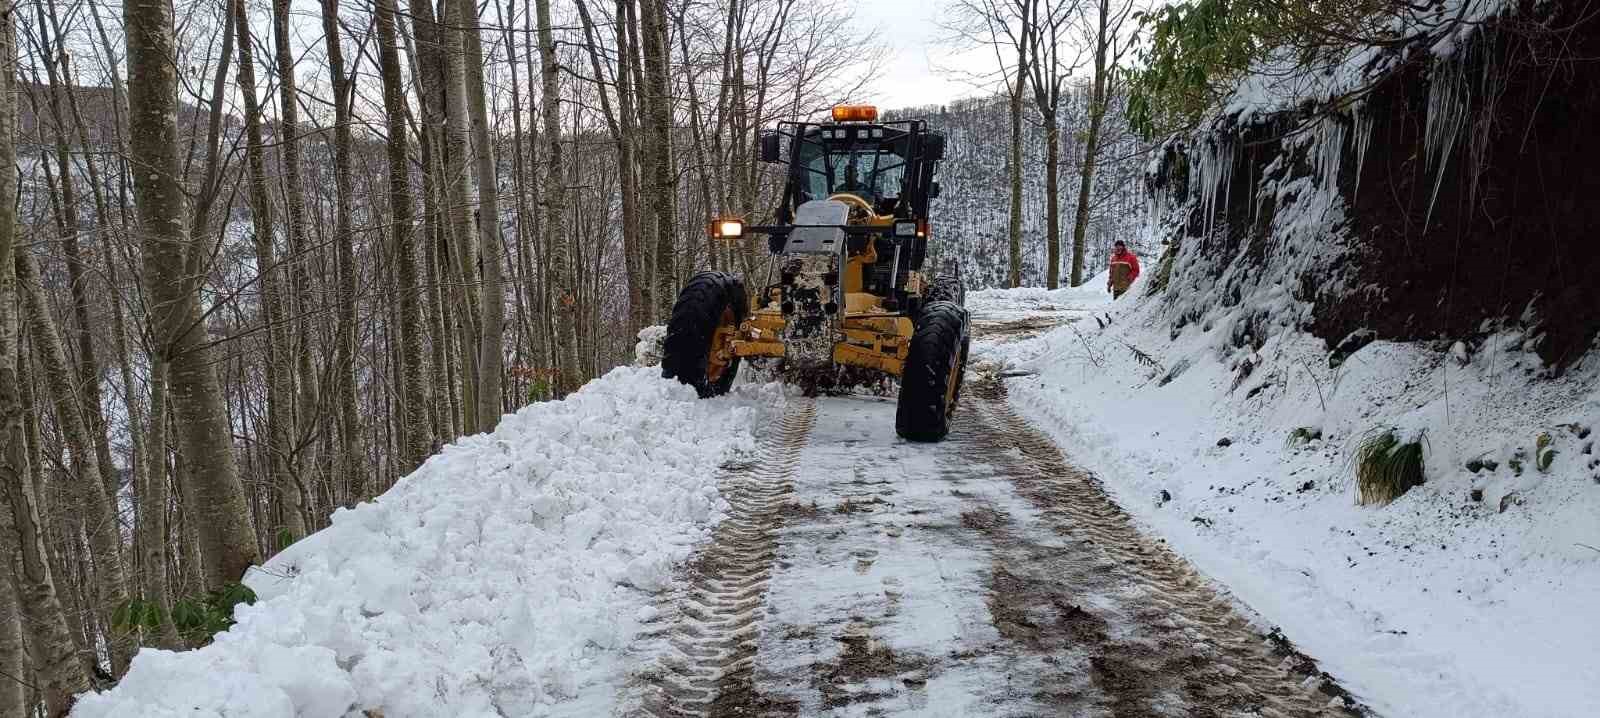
{"x":501,"y":577}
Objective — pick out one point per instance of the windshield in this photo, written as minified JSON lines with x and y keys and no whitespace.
{"x":873,"y":170}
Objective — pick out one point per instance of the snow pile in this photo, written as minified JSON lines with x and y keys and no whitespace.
{"x":500,"y":578}
{"x":648,"y":351}
{"x":1471,"y":595}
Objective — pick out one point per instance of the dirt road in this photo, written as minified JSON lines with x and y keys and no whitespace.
{"x":859,"y":574}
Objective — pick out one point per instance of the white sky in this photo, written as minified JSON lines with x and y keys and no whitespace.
{"x":913,"y":74}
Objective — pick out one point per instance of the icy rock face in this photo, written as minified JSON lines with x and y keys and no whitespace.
{"x":503,"y":574}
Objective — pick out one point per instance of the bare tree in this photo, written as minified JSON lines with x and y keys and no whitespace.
{"x":661,"y":185}
{"x":414,"y":423}
{"x":99,"y":517}
{"x":344,"y":382}
{"x":1006,"y":27}
{"x":296,"y":301}
{"x":290,"y":516}
{"x":60,"y":674}
{"x":214,"y":499}
{"x":553,"y":194}
{"x":491,"y":340}
{"x":1105,"y":31}
{"x":1053,"y":64}
{"x":457,"y":188}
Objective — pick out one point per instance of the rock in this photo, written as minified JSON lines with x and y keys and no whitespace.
{"x":1307,"y":486}
{"x":1475,"y":495}
{"x":1164,"y":498}
{"x":1224,"y":442}
{"x":1509,"y":499}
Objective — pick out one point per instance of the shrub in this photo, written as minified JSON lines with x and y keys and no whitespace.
{"x":1543,"y":453}
{"x":1387,"y":467}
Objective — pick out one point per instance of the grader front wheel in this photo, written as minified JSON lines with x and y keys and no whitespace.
{"x":698,"y":350}
{"x":931,"y":382}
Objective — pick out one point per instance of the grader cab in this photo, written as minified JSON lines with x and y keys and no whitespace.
{"x":845,"y":291}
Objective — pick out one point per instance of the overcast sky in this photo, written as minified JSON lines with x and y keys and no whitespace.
{"x":913,"y":76}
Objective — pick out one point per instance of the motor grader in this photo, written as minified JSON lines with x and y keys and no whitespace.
{"x":845,"y":292}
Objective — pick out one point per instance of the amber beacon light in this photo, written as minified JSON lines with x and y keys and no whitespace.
{"x":855,"y":113}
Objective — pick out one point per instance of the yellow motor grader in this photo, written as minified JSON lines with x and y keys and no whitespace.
{"x":845,"y":289}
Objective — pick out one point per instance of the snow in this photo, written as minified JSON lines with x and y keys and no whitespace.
{"x":1436,"y":605}
{"x":883,"y":570}
{"x":503,"y":577}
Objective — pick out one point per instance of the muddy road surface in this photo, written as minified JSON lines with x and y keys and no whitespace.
{"x":861,"y":575}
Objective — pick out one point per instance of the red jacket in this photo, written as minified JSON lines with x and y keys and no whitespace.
{"x":1133,"y":263}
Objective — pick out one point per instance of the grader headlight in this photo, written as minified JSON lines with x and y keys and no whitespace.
{"x":731,"y":228}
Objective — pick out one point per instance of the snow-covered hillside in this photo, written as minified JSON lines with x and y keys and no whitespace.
{"x":500,"y":577}
{"x":1471,"y":595}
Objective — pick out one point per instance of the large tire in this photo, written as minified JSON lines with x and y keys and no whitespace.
{"x":931,"y":382}
{"x":709,"y":301}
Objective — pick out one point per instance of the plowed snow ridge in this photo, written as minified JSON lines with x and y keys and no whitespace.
{"x":503,"y":577}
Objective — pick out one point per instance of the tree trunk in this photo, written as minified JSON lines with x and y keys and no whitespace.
{"x":279,"y":365}
{"x":563,"y":289}
{"x":216,"y":499}
{"x":457,"y":189}
{"x":491,"y":346}
{"x":154,"y":500}
{"x":658,"y":134}
{"x":628,"y":177}
{"x":98,"y":513}
{"x":81,"y":330}
{"x":351,"y":459}
{"x":306,"y":403}
{"x":415,"y":437}
{"x":1052,"y":193}
{"x":1014,"y":167}
{"x":61,"y":676}
{"x":430,"y":71}
{"x":703,"y":177}
{"x":1091,"y":144}
{"x":14,"y":667}
{"x":446,"y":400}
{"x":621,"y":129}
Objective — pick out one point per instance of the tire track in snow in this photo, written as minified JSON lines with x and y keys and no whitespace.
{"x":1173,"y":639}
{"x":707,"y":662}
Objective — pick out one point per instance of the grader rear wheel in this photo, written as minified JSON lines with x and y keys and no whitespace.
{"x":698,"y":350}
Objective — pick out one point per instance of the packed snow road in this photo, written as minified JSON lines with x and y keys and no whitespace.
{"x":858,"y":574}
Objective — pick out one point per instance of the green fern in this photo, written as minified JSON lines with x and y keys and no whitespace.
{"x":199,"y":619}
{"x":1387,"y":467}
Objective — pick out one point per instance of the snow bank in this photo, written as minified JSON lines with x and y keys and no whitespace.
{"x":1440,"y":604}
{"x":500,"y":578}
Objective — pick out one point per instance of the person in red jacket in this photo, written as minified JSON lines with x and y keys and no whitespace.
{"x":1124,"y":269}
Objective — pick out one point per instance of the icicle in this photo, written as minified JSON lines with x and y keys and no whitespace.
{"x":1213,"y":174}
{"x":1449,"y":96}
{"x":1361,"y":142}
{"x":1326,"y":152}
